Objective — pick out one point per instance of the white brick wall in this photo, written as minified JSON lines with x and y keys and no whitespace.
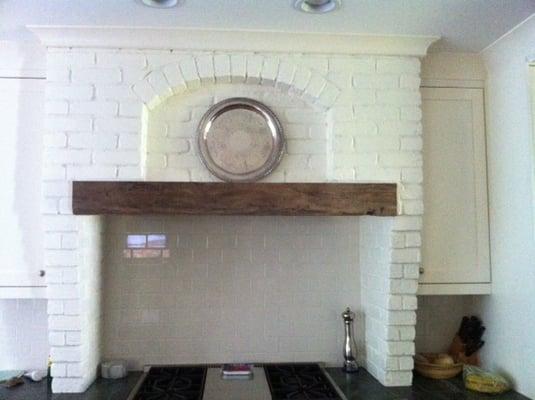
{"x":348,"y":118}
{"x":388,"y":301}
{"x":74,"y":260}
{"x":172,"y":140}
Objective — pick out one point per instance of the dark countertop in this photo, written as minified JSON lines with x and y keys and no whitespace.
{"x":360,"y":386}
{"x":102,"y":389}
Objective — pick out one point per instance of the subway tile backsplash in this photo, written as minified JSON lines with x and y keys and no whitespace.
{"x":233,"y":289}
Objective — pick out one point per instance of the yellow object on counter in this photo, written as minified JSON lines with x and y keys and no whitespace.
{"x":479,"y":380}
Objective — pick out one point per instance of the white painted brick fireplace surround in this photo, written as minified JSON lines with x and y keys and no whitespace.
{"x":127,"y":112}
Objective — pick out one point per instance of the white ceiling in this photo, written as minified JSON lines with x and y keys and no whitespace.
{"x":464,"y":25}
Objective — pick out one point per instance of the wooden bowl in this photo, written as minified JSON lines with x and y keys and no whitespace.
{"x":436,"y":371}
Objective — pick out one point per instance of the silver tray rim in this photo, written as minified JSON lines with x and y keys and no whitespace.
{"x":277,"y":151}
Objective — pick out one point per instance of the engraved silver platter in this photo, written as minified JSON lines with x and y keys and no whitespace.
{"x":240,"y":139}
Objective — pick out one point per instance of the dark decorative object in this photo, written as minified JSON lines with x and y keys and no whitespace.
{"x":468,"y":341}
{"x":176,"y":383}
{"x":299,"y":382}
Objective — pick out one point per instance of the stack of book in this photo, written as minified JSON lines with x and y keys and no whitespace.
{"x":237,"y":371}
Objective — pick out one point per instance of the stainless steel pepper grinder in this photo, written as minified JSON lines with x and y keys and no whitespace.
{"x":350,"y":348}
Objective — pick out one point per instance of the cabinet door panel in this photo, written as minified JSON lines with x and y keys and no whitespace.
{"x":455,"y":234}
{"x":21,"y":102}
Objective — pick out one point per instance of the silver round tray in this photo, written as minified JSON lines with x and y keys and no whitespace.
{"x":240,"y":139}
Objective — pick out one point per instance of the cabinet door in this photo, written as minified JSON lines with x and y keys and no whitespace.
{"x":21,"y":102}
{"x":455,"y":234}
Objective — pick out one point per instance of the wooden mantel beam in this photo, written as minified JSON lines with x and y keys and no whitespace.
{"x":195,"y":198}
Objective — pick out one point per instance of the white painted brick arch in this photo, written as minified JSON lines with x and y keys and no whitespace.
{"x":193,"y":72}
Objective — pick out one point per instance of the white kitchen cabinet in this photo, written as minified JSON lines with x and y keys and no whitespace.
{"x":21,"y":102}
{"x":455,"y":250}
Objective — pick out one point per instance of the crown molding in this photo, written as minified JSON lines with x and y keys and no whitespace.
{"x":230,"y":40}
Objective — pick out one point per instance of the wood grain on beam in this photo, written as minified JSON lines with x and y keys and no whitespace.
{"x":190,"y":198}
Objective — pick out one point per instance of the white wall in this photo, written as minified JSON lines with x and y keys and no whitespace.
{"x":508,"y":312}
{"x":23,"y":334}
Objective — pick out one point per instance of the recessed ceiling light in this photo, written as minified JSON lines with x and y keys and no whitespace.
{"x":160,"y":3}
{"x":317,"y":6}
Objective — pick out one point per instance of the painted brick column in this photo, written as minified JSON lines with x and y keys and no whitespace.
{"x":93,"y":122}
{"x":378,"y":138}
